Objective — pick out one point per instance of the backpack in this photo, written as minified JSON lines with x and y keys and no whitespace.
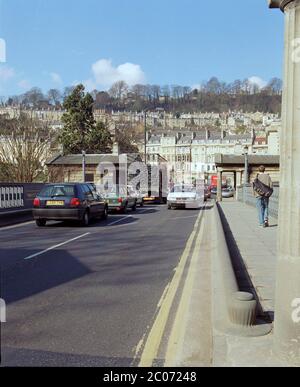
{"x":262,"y":189}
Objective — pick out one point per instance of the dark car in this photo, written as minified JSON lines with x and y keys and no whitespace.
{"x":68,"y":202}
{"x":207,"y":193}
{"x":214,"y":191}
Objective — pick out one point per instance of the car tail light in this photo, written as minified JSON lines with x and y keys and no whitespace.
{"x":75,"y":202}
{"x":36,"y":203}
{"x":120,"y":200}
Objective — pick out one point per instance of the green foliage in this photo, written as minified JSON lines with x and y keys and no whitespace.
{"x":81,"y":132}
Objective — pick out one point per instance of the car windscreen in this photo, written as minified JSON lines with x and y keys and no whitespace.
{"x":183,"y":189}
{"x":58,"y":191}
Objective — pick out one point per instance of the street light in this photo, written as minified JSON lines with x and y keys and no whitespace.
{"x":145,"y":134}
{"x":246,"y":153}
{"x":83,"y":165}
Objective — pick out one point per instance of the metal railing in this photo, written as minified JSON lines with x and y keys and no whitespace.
{"x":17,"y":196}
{"x":251,"y":200}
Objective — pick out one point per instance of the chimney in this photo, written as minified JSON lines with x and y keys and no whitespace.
{"x":116,"y":149}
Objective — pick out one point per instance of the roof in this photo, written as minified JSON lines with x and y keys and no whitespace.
{"x":89,"y":159}
{"x":240,"y":160}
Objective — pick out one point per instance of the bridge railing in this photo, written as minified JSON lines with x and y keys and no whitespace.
{"x":17,"y":196}
{"x":251,"y":200}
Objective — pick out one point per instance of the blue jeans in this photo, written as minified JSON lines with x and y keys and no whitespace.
{"x":262,"y":205}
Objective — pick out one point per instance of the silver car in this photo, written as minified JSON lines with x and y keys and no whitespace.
{"x":228,"y":193}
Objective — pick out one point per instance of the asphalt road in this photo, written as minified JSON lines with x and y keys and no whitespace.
{"x":87,"y":296}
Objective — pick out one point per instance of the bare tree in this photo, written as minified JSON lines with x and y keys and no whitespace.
{"x":34,"y":97}
{"x":54,"y":97}
{"x":24,"y":148}
{"x":139,"y":91}
{"x":118,"y":90}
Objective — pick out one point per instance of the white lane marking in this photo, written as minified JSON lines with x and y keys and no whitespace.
{"x":56,"y":246}
{"x":120,"y":220}
{"x":15,"y":226}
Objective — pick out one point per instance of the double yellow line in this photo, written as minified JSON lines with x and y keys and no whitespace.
{"x":154,"y":340}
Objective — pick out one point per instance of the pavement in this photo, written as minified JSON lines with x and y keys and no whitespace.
{"x":253,"y":251}
{"x":256,"y":248}
{"x":108,"y":295}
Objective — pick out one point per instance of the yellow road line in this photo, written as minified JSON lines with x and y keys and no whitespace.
{"x":154,"y":339}
{"x":176,"y":339}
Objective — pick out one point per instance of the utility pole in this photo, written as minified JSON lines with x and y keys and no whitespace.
{"x":145,"y":133}
{"x":287,"y":300}
{"x":246,"y":180}
{"x":83,"y":166}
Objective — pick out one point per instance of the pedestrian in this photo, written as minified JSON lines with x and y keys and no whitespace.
{"x":263,"y":189}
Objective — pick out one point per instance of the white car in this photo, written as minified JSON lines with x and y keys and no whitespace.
{"x":185,"y":196}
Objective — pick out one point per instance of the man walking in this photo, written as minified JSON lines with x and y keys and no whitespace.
{"x":263,"y":189}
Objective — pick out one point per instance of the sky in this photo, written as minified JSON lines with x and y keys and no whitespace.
{"x":58,"y":43}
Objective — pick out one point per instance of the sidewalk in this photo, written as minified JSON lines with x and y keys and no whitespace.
{"x":256,"y":247}
{"x":253,"y":251}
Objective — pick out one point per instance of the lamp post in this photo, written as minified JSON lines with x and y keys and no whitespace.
{"x":83,"y":165}
{"x":145,"y":135}
{"x":246,"y":179}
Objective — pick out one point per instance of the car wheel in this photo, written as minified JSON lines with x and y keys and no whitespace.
{"x":105,"y":214}
{"x":169,"y":207}
{"x":41,"y":222}
{"x":86,"y":219}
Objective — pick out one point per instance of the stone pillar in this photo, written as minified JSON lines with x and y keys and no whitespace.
{"x":238,"y":179}
{"x":287,"y":311}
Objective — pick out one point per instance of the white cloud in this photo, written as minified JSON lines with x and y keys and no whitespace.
{"x":6,"y":73}
{"x":24,"y":84}
{"x":56,"y":78}
{"x":105,"y":74}
{"x":255,"y":80}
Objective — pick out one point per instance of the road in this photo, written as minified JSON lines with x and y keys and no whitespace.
{"x":90,"y":296}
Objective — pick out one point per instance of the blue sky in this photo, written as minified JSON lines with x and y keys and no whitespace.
{"x":55,"y":43}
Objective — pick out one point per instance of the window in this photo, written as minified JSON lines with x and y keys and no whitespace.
{"x":89,"y":177}
{"x":58,"y":190}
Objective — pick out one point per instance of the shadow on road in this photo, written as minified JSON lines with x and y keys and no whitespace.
{"x":35,"y":276}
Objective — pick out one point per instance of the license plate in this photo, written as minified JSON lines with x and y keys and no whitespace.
{"x":149,"y":199}
{"x":55,"y":203}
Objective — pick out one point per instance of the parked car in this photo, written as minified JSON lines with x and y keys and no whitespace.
{"x":207,"y":193}
{"x":214,"y":191}
{"x":137,"y":194}
{"x":185,"y":196}
{"x":68,"y":202}
{"x":228,"y":192}
{"x":119,"y":199}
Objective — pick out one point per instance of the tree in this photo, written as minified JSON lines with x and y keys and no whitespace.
{"x":102,"y":100}
{"x":54,"y":97}
{"x":127,"y":138}
{"x":274,"y":86}
{"x":68,"y":91}
{"x":80,"y":132}
{"x":24,"y":147}
{"x":118,"y":90}
{"x":34,"y":97}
